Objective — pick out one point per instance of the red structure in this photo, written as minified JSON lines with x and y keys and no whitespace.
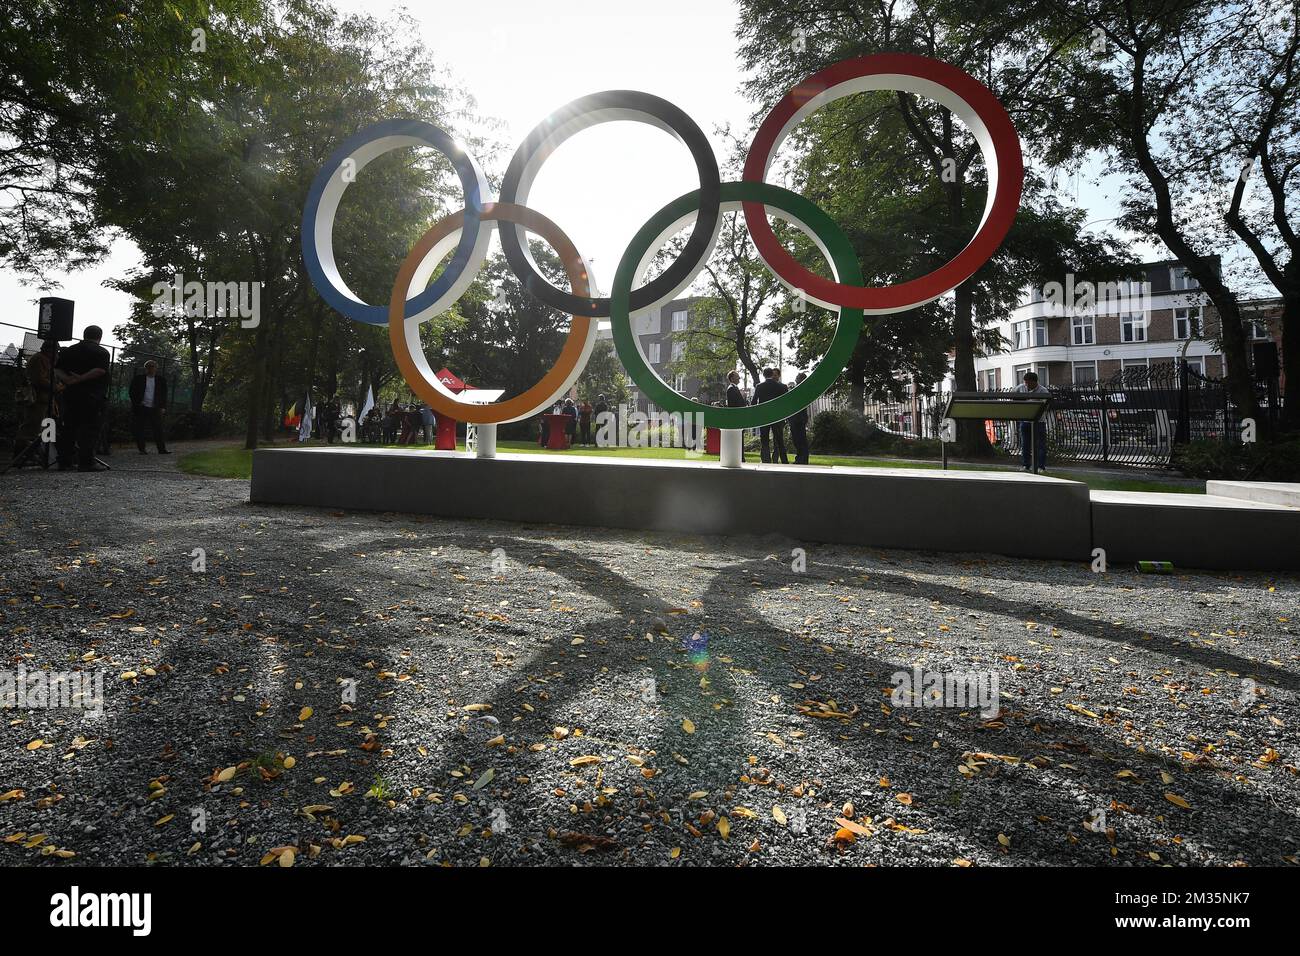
{"x":446,"y":437}
{"x":557,"y":431}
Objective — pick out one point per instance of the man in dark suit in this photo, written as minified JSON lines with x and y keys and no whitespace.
{"x":771,"y":387}
{"x":799,"y":429}
{"x":148,"y":402}
{"x":85,"y":377}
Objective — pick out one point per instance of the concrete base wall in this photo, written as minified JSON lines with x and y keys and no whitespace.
{"x":1002,"y":512}
{"x":1196,"y":531}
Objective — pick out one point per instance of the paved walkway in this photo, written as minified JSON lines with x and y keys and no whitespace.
{"x":367,"y":688}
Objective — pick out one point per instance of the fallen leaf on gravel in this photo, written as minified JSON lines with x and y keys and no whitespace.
{"x":583,"y":761}
{"x":778,"y":815}
{"x":225,"y":775}
{"x":305,"y":713}
{"x":961,"y":861}
{"x":724,"y":827}
{"x":12,"y":795}
{"x":476,"y":707}
{"x":497,"y":741}
{"x":1004,"y":839}
{"x":687,"y":726}
{"x":586,"y":842}
{"x":844,"y":835}
{"x":485,"y":779}
{"x":1178,"y":801}
{"x":165,"y":819}
{"x":854,"y":827}
{"x":904,"y":798}
{"x":289,"y":763}
{"x":35,"y":744}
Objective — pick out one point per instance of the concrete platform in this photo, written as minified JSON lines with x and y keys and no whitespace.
{"x":1002,"y":512}
{"x":1267,"y":492}
{"x":1196,"y":531}
{"x":1007,"y":513}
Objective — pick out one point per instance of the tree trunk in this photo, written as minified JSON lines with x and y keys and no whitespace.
{"x":256,"y":387}
{"x":1290,"y":323}
{"x":972,"y":442}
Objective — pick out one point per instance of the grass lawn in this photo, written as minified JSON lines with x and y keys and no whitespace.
{"x":233,"y":461}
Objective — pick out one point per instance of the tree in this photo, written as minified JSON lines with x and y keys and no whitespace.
{"x":909,"y":148}
{"x":604,"y":375}
{"x":1148,"y":73}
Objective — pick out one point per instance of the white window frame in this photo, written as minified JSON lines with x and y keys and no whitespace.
{"x":1193,"y":318}
{"x":1180,"y":280}
{"x":1132,"y":323}
{"x":654,"y":353}
{"x":1074,"y":372}
{"x":678,"y":351}
{"x":1020,"y":334}
{"x":680,"y":319}
{"x":1081,"y":324}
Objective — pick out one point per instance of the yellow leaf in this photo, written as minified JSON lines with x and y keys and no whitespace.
{"x":724,"y":827}
{"x":35,"y":744}
{"x":12,"y":795}
{"x":289,"y":763}
{"x":1004,"y":839}
{"x":1178,"y":801}
{"x":687,"y":726}
{"x":287,"y":857}
{"x":583,"y":761}
{"x":675,"y":852}
{"x":778,"y":815}
{"x":225,"y":775}
{"x":304,"y":714}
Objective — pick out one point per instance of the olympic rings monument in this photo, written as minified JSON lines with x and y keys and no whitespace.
{"x":1005,"y":512}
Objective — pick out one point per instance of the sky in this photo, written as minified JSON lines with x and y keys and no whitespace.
{"x":521,"y":60}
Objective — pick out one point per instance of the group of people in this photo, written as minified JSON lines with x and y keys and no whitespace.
{"x":409,"y":424}
{"x":771,"y":438}
{"x":71,"y":385}
{"x":581,"y":417}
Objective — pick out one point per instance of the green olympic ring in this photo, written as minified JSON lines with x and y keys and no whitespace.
{"x":794,"y":209}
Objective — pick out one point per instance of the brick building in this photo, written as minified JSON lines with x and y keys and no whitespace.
{"x":1076,"y":332}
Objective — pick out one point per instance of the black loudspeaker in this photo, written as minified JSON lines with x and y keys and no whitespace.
{"x":1265,"y":361}
{"x":55,"y":321}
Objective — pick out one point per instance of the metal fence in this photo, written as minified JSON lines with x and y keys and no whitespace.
{"x":1135,"y":418}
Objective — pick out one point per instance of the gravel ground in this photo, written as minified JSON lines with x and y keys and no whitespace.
{"x":536,"y":695}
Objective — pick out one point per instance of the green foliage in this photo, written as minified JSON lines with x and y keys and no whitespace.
{"x":1260,"y":461}
{"x":840,"y":431}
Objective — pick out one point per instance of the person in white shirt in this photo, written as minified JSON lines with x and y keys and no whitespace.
{"x":1030,"y":385}
{"x":148,"y":402}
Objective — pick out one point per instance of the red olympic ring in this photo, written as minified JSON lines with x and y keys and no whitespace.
{"x":969,"y":99}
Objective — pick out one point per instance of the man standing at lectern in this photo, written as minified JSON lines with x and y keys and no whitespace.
{"x":85,"y":366}
{"x":148,"y":402}
{"x":1039,"y":440}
